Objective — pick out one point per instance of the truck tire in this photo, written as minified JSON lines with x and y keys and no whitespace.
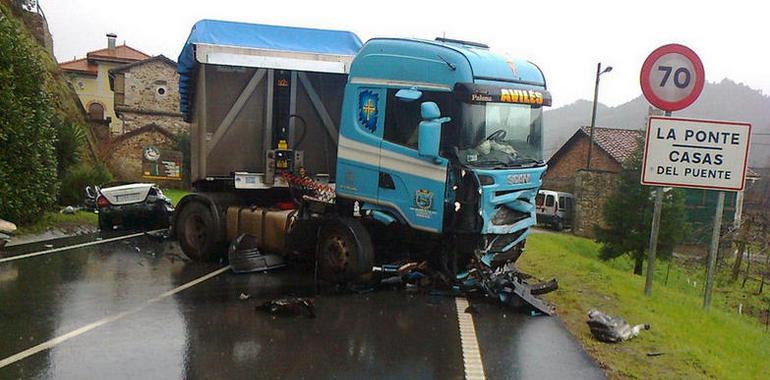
{"x":345,"y":252}
{"x":198,"y":234}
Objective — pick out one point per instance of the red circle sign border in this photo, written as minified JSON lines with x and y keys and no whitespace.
{"x":700,"y":77}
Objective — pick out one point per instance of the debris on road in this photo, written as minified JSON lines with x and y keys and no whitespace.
{"x":289,"y":306}
{"x":607,"y":328}
{"x":509,"y":286}
{"x":245,"y":257}
{"x":244,"y":296}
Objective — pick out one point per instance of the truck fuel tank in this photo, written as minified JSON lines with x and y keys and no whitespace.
{"x":269,"y":226}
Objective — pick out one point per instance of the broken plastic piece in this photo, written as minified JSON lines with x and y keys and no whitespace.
{"x":607,"y":328}
{"x":289,"y":306}
{"x":244,"y":256}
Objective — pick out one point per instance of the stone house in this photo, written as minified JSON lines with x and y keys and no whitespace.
{"x":612,"y":147}
{"x":147,"y":92}
{"x":89,"y":77}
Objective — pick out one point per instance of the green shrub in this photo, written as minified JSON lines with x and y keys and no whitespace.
{"x":77,"y":178}
{"x":70,"y":141}
{"x":28,"y":181}
{"x":183,"y":145}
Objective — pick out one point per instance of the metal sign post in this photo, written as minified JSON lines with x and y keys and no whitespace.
{"x":713,"y":250}
{"x":672,"y":78}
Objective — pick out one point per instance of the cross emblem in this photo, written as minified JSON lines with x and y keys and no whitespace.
{"x":369,"y":108}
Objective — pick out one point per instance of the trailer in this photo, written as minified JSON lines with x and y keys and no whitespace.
{"x":356,"y":154}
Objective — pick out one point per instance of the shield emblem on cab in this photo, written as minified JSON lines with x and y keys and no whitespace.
{"x":423,"y":199}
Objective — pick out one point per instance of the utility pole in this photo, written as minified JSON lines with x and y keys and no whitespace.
{"x":599,"y":72}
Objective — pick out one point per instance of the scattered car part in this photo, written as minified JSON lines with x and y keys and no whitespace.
{"x":508,"y":285}
{"x":607,"y":328}
{"x":289,"y":306}
{"x":245,"y":257}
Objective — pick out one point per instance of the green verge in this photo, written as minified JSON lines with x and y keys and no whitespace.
{"x":175,"y":194}
{"x":694,"y":344}
{"x":52,"y":219}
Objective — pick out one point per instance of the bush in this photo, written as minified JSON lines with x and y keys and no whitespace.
{"x":27,"y":159}
{"x":183,"y":145}
{"x":70,"y":140}
{"x":77,"y":178}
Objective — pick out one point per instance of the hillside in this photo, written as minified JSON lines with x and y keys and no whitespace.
{"x":725,"y":100}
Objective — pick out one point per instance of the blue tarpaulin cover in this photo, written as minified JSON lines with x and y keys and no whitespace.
{"x":257,"y":36}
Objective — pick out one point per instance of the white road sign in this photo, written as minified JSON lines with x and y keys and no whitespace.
{"x":702,"y":154}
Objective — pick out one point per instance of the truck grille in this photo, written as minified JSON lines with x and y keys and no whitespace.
{"x":506,"y":216}
{"x":503,"y":241}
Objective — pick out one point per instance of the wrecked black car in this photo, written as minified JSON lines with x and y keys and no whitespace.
{"x":130,"y":205}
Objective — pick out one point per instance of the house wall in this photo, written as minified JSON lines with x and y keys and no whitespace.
{"x":97,"y":89}
{"x":591,"y":192}
{"x":149,"y":94}
{"x":563,"y":169}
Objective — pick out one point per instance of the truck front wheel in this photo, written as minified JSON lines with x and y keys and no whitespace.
{"x":345,"y":252}
{"x":197,"y":232}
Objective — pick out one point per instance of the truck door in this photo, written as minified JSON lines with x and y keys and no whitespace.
{"x":411,"y":185}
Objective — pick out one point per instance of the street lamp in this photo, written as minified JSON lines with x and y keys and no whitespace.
{"x":599,"y":72}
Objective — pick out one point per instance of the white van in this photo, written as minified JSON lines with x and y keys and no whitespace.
{"x":555,"y":209}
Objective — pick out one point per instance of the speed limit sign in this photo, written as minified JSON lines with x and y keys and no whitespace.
{"x":672,"y":77}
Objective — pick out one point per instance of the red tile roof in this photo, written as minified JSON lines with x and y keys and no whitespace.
{"x":619,"y":143}
{"x":120,"y":54}
{"x":79,"y":66}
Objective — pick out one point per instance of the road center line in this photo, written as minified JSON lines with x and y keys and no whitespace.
{"x":53,"y":250}
{"x":474,"y":368}
{"x":63,"y":338}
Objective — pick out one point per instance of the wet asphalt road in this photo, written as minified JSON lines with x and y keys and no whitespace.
{"x":115,"y":310}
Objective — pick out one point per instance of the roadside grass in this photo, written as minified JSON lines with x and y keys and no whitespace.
{"x":175,"y":194}
{"x":694,"y":344}
{"x":54,"y":219}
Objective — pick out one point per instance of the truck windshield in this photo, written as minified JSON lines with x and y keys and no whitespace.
{"x":500,"y":135}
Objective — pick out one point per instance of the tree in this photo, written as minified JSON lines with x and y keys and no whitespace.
{"x":628,"y":217}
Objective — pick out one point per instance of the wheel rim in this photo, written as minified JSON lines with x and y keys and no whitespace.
{"x":195,"y":231}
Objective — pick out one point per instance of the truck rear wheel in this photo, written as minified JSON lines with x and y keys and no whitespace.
{"x":198,"y":233}
{"x":345,"y":252}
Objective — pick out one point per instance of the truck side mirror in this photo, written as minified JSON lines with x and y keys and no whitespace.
{"x":430,"y":130}
{"x":408,"y":94}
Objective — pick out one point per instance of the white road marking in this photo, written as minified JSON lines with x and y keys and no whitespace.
{"x":33,"y":254}
{"x":62,"y":338}
{"x":474,"y":368}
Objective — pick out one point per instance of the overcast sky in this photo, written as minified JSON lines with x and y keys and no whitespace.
{"x":565,"y":38}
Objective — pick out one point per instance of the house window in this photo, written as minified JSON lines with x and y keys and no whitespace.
{"x":96,"y":111}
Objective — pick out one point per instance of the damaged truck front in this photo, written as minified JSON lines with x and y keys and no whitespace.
{"x":363,"y":154}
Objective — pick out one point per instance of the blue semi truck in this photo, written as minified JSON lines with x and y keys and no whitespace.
{"x":360,"y":154}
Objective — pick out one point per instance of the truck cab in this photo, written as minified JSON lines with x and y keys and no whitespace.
{"x":472,"y":168}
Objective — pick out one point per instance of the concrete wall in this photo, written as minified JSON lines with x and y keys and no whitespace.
{"x":562,"y":169}
{"x":591,"y":192}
